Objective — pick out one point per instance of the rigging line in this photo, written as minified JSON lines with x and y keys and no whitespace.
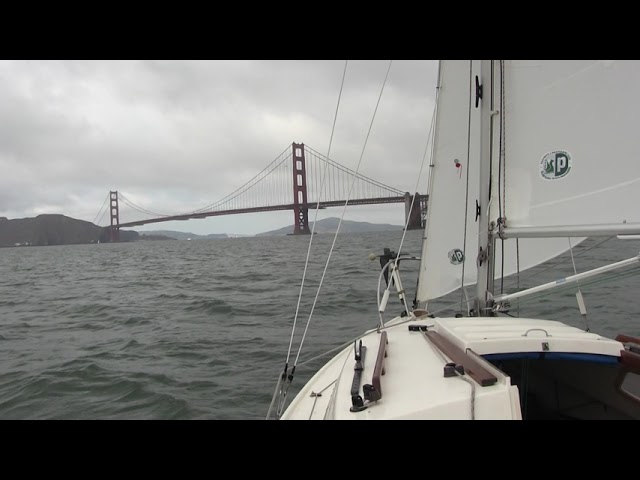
{"x":413,"y":199}
{"x":404,"y":233}
{"x":629,"y":271}
{"x":518,"y":272}
{"x":430,"y":140}
{"x":575,"y":272}
{"x":343,"y":212}
{"x":555,"y":264}
{"x":503,"y":165}
{"x":431,"y":176}
{"x":273,"y":399}
{"x":503,"y":139}
{"x":350,"y":342}
{"x":466,"y":197}
{"x":103,"y":204}
{"x":451,"y":305}
{"x":306,"y":263}
{"x":283,"y":392}
{"x":579,"y":293}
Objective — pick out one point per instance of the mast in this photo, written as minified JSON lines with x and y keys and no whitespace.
{"x":483,"y":92}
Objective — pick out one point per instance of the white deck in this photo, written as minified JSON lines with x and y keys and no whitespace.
{"x":414,"y":386}
{"x":509,"y":335}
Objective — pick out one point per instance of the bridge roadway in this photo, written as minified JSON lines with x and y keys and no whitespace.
{"x":290,"y":206}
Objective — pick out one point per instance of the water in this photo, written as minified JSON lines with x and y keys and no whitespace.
{"x":200,"y":330}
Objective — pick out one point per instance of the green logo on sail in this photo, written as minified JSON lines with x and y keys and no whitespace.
{"x":456,"y":256}
{"x":555,"y":165}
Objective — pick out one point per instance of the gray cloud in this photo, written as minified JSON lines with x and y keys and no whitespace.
{"x":174,"y":136}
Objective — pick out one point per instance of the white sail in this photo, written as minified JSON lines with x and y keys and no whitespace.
{"x":571,"y":149}
{"x":453,"y":187}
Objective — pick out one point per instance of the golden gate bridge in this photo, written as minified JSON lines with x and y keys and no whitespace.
{"x":293,"y":181}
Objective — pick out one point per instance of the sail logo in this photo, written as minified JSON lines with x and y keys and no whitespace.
{"x":456,"y":257}
{"x":555,"y":165}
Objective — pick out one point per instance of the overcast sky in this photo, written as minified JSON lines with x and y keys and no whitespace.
{"x":175,"y":136}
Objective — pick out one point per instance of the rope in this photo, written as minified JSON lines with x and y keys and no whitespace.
{"x":518,"y":272}
{"x":502,"y":177}
{"x":413,"y":199}
{"x":473,"y":393}
{"x":431,"y":166}
{"x":315,"y":400}
{"x":306,"y":263}
{"x":335,"y":237}
{"x":446,"y":360}
{"x":535,"y":274}
{"x":575,"y":272}
{"x":284,"y":391}
{"x":466,"y":198}
{"x":629,"y":272}
{"x":275,"y":395}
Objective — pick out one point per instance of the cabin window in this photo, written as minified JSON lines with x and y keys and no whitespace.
{"x":631,"y":385}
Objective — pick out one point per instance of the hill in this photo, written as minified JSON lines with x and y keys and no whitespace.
{"x":329,"y":225}
{"x":52,"y":229}
{"x":183,"y":235}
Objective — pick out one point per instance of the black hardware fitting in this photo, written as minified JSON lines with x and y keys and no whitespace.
{"x":357,"y":404}
{"x":450,"y":370}
{"x":370,"y":393}
{"x":477,"y":210}
{"x":478,"y":91}
{"x":417,"y":328}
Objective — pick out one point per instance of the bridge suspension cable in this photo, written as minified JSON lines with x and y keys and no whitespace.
{"x":138,"y":208}
{"x":276,"y":163}
{"x":351,"y":173}
{"x":106,"y":199}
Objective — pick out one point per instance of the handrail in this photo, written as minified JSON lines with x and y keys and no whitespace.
{"x":471,"y":366}
{"x":627,"y":339}
{"x":373,"y":391}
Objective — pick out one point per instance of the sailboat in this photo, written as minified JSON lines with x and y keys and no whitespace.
{"x":528,"y":159}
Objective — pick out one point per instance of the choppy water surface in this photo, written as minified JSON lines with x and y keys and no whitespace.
{"x":201,"y":329}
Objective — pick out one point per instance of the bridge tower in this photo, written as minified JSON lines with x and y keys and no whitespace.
{"x":114,"y":229}
{"x":418,"y":214}
{"x":300,"y":210}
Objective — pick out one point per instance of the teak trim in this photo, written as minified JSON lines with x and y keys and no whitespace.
{"x":471,"y":366}
{"x":378,"y":371}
